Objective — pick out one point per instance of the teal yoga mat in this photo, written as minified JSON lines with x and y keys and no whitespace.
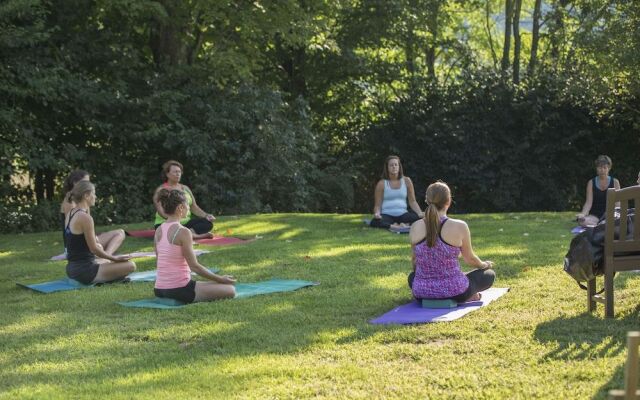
{"x":242,"y":290}
{"x":65,"y":284}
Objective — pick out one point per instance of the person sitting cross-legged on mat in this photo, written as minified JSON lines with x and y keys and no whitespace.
{"x":175,"y":258}
{"x":111,"y":240}
{"x":199,"y":222}
{"x":83,"y":246}
{"x":437,"y":241}
{"x":392,"y":194}
{"x":595,"y":203}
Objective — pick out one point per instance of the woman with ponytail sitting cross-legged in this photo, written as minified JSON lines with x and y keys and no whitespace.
{"x":437,"y":241}
{"x":176,"y":259}
{"x":82,"y":245}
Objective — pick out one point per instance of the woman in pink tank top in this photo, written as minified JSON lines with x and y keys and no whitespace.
{"x":176,"y":259}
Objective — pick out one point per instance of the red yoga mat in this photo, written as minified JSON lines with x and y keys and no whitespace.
{"x":221,"y":241}
{"x":215,"y":241}
{"x":145,"y":233}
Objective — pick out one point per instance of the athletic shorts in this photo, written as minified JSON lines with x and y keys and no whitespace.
{"x":185,"y":294}
{"x":84,"y":273}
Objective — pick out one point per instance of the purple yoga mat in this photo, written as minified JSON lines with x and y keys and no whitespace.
{"x":413,"y":313}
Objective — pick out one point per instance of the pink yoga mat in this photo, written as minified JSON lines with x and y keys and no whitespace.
{"x":145,"y":233}
{"x":215,"y":241}
{"x":222,"y":241}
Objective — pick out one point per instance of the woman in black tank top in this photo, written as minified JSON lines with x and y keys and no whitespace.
{"x":111,"y":240}
{"x":596,"y":198}
{"x":82,"y":244}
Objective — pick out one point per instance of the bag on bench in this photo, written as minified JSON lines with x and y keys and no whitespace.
{"x":585,"y":258}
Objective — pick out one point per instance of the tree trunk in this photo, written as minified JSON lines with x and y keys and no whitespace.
{"x":166,"y":37}
{"x":198,"y":34}
{"x":556,"y":30}
{"x":535,"y":38}
{"x":488,"y":19}
{"x":409,"y":53}
{"x":49,"y":183}
{"x":516,"y":41}
{"x":39,"y":186}
{"x":430,"y":54}
{"x":508,"y":11}
{"x":291,"y":60}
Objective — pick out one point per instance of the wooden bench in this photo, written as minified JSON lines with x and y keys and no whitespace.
{"x":630,"y":391}
{"x":620,"y":254}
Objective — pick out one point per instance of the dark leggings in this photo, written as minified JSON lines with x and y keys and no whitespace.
{"x":479,"y":280}
{"x":199,"y":225}
{"x":385,"y":222}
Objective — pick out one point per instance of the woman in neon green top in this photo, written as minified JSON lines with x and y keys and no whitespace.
{"x":199,"y":222}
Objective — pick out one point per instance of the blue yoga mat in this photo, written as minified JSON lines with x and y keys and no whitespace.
{"x":242,"y":290}
{"x":56,"y":286}
{"x":65,"y":284}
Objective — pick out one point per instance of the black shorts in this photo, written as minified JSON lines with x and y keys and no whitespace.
{"x":185,"y":294}
{"x":84,"y":273}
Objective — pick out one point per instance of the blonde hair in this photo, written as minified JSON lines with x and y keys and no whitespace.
{"x":79,"y":190}
{"x":438,"y":196}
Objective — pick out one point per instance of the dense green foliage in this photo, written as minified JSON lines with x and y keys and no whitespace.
{"x":535,"y":342}
{"x":293,"y":105}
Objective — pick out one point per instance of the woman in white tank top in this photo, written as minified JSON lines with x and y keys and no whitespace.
{"x":392,"y":195}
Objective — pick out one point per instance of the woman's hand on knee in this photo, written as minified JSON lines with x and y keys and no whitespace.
{"x":227,"y":279}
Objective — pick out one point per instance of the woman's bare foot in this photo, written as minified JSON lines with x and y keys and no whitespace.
{"x":476,"y":297}
{"x":197,"y":236}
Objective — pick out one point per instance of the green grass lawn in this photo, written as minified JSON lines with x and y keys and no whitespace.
{"x":537,"y":341}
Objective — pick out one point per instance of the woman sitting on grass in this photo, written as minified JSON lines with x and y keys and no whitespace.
{"x":199,"y":222}
{"x":595,"y":204}
{"x":111,"y":240}
{"x":83,"y":246}
{"x":174,"y":251}
{"x":437,"y":241}
{"x":392,"y":194}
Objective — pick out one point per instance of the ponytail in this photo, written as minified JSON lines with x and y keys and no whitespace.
{"x":433,"y":225}
{"x":73,"y":178}
{"x":79,"y":190}
{"x":438,"y":196}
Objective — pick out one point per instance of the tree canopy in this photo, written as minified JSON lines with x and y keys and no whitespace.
{"x":293,"y":105}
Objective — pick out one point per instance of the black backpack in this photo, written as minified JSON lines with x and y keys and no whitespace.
{"x":585,"y":258}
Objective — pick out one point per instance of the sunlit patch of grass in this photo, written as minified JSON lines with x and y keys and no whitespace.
{"x":535,"y":342}
{"x":389,"y":282}
{"x":292,"y":233}
{"x":29,"y":323}
{"x":346,"y":249}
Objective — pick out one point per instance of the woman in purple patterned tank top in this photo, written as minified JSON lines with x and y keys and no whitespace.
{"x":437,"y":241}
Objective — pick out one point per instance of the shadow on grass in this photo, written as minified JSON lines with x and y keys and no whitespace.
{"x":74,"y":338}
{"x":590,"y":336}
